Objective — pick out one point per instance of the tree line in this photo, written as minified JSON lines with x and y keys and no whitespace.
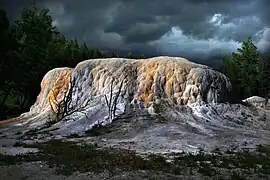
{"x":31,"y":46}
{"x":248,"y":71}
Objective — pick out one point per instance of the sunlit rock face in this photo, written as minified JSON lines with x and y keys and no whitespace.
{"x":146,"y":80}
{"x":142,"y":82}
{"x":53,"y":85}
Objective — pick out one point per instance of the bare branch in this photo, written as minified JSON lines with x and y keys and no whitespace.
{"x":66,"y":107}
{"x":110,"y":101}
{"x":116,"y":98}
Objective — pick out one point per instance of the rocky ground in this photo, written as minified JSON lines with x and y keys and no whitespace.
{"x":234,"y":151}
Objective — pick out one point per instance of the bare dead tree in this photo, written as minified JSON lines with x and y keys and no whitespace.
{"x":64,"y":108}
{"x":113,"y":100}
{"x":116,"y":98}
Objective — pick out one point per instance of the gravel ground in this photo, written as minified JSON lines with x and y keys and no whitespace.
{"x":140,"y":135}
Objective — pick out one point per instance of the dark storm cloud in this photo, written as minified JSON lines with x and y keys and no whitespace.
{"x":193,"y":17}
{"x":264,"y":42}
{"x":192,"y":28}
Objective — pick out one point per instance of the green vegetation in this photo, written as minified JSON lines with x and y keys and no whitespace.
{"x":30,"y":47}
{"x":248,"y":71}
{"x":69,"y":157}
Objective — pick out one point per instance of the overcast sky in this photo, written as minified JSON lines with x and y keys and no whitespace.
{"x":196,"y":29}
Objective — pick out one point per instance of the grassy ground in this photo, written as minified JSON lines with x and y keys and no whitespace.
{"x":69,"y":157}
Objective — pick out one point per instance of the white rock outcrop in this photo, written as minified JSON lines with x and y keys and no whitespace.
{"x":168,"y":104}
{"x":256,"y":101}
{"x":142,"y":82}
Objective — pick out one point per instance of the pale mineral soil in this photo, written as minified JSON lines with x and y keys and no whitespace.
{"x":143,"y":134}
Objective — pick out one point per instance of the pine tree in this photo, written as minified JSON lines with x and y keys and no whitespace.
{"x":264,"y":77}
{"x":242,"y":67}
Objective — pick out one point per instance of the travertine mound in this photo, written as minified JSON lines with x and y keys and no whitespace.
{"x":143,"y":81}
{"x":149,"y":79}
